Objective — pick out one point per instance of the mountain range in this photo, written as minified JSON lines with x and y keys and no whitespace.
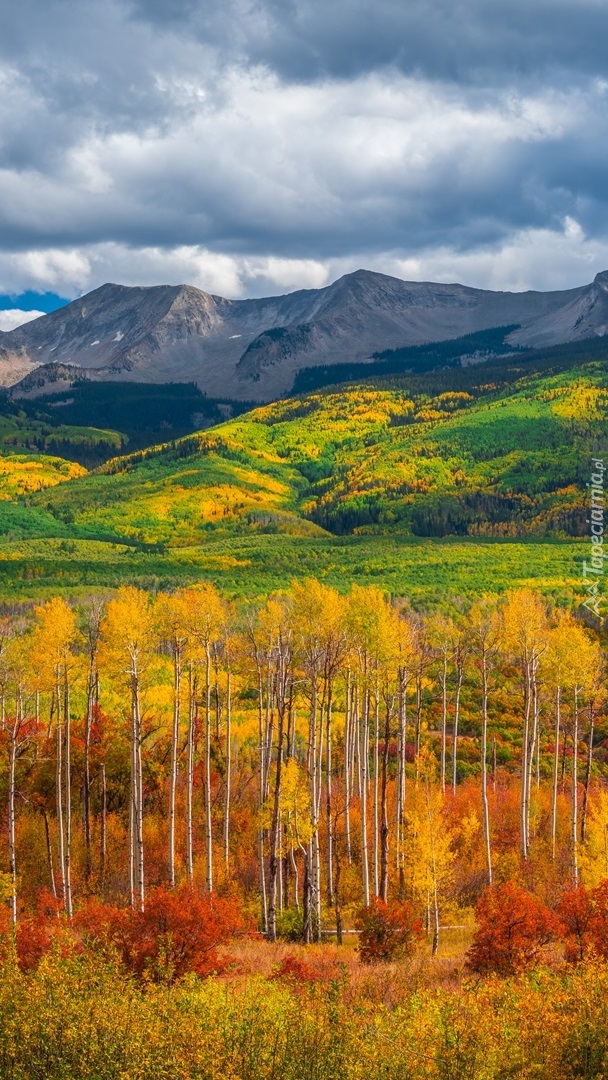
{"x":251,"y":350}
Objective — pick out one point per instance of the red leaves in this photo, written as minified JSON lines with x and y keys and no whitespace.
{"x":513,"y":926}
{"x":178,"y":932}
{"x":387,"y":931}
{"x":584,"y":917}
{"x":296,"y":970}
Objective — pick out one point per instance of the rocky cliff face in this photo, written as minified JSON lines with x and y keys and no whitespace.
{"x":251,"y":349}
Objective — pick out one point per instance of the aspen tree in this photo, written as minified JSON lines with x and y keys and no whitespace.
{"x":257,"y":654}
{"x":557,"y":664}
{"x":442,"y":640}
{"x":17,"y":732}
{"x":91,"y":631}
{"x":320,"y":642}
{"x":172,"y":621}
{"x":486,"y":629}
{"x":54,"y":635}
{"x":430,"y":841}
{"x":586,"y":666}
{"x":597,"y":697}
{"x":209,"y":610}
{"x":364,"y":615}
{"x":230,"y":649}
{"x":526,"y":632}
{"x":461,"y":655}
{"x":389,"y":657}
{"x":295,"y":815}
{"x":405,"y":650}
{"x":276,"y":622}
{"x":127,"y":641}
{"x":593,"y":859}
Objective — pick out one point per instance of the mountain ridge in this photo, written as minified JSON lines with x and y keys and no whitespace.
{"x":252,"y":349}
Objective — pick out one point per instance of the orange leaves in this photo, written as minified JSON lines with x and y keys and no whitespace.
{"x":179,"y":932}
{"x":513,"y":926}
{"x":584,"y":917}
{"x":387,"y":931}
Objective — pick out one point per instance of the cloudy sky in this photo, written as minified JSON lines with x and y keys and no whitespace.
{"x":257,"y":146}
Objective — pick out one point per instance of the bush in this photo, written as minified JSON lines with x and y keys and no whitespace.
{"x":583,"y":916}
{"x":387,"y":931}
{"x":512,"y":928}
{"x":296,"y":970}
{"x":179,"y":932}
{"x":575,"y":914}
{"x":290,"y":924}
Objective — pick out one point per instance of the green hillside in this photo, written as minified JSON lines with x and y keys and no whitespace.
{"x":28,"y":427}
{"x":457,"y":481}
{"x":492,"y":461}
{"x":68,"y":417}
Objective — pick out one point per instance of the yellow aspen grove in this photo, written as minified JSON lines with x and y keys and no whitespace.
{"x":239,"y":742}
{"x":127,"y":643}
{"x":172,"y":621}
{"x":54,"y":636}
{"x":526,"y":637}
{"x":486,"y":631}
{"x":209,"y":613}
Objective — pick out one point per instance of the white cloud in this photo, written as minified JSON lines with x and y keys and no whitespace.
{"x":11,"y":318}
{"x":542,"y":259}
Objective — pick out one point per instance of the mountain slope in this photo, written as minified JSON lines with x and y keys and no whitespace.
{"x":446,"y":484}
{"x":490,"y":461}
{"x":252,"y":349}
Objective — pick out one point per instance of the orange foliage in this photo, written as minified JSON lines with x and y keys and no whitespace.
{"x":512,"y":927}
{"x":584,"y":918}
{"x":387,"y":931}
{"x":178,"y":932}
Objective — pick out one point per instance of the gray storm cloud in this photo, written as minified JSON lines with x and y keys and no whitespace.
{"x":263,"y":146}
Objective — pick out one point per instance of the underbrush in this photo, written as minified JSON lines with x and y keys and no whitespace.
{"x":311,"y":1012}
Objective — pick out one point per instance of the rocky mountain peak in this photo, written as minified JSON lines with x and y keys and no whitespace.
{"x":252,"y":349}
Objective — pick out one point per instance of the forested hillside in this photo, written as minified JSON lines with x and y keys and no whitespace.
{"x":349,"y":482}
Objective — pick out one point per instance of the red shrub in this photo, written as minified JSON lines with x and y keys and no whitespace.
{"x":33,"y":939}
{"x":387,"y":931}
{"x":512,"y":927}
{"x":584,"y":922}
{"x":296,"y":970}
{"x":575,"y":912}
{"x":178,"y":932}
